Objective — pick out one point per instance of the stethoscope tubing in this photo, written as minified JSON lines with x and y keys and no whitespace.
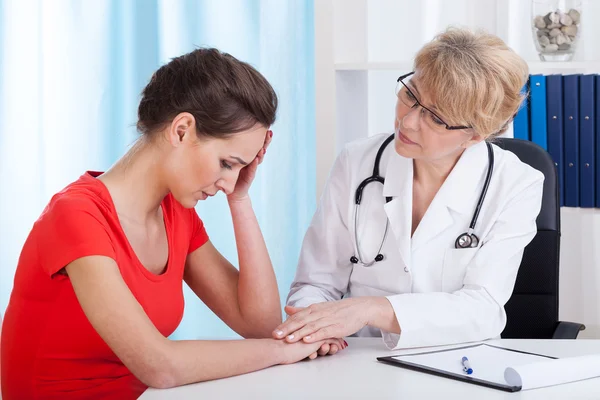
{"x":375,"y":177}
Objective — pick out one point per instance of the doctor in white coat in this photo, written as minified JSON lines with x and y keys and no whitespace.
{"x":427,"y":288}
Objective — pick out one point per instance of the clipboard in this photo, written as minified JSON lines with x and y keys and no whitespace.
{"x":410,"y":361}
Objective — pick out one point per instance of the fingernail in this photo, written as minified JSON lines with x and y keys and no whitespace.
{"x":278,"y":332}
{"x":290,"y":337}
{"x":307,"y":337}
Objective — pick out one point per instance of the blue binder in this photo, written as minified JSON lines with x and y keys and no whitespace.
{"x":554,"y":104}
{"x":571,"y":136}
{"x":538,"y":110}
{"x":587,"y":165}
{"x":597,"y":137}
{"x":521,"y":121}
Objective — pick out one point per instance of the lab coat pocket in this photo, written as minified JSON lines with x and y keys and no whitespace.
{"x":455,"y":268}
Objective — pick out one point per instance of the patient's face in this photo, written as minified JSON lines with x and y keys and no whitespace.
{"x":205,"y":166}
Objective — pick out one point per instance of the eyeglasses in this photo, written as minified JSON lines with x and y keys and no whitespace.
{"x":410,"y":100}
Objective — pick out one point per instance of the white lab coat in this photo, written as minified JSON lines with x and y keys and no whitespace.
{"x":440,"y":295}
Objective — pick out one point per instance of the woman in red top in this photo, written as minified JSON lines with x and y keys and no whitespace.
{"x":98,"y":287}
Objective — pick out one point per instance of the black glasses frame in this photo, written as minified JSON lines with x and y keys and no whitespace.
{"x":449,"y":127}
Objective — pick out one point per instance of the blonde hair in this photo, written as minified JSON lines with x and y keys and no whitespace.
{"x":473,"y":78}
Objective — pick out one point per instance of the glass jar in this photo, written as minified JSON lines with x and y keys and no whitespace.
{"x":556,"y":27}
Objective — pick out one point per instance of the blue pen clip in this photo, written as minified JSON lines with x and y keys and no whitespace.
{"x":466,"y":366}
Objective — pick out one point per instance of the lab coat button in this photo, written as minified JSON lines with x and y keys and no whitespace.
{"x":405,"y":269}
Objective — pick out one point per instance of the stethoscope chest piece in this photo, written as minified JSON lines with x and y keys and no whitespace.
{"x":466,"y":240}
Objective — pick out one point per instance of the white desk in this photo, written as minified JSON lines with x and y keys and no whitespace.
{"x":356,"y":374}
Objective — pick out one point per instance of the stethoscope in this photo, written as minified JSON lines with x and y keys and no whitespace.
{"x":465,"y":240}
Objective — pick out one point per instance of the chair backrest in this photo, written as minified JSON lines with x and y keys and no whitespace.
{"x":532,"y":311}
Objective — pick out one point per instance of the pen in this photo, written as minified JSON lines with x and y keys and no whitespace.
{"x":466,"y":366}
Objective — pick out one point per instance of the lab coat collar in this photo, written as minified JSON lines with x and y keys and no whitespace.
{"x":466,"y":179}
{"x":457,"y":193}
{"x":459,"y":186}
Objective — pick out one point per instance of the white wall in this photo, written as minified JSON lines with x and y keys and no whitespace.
{"x":362,"y":46}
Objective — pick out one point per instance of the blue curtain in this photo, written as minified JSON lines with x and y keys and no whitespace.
{"x":71,"y":72}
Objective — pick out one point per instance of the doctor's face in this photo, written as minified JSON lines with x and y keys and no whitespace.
{"x":421,"y":133}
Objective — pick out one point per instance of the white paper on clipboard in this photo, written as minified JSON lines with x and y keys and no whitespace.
{"x":508,"y":367}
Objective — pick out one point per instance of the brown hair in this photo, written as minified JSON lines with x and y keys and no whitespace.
{"x":474,"y":78}
{"x":224,"y":95}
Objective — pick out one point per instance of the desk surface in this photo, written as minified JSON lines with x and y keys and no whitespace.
{"x":356,"y":374}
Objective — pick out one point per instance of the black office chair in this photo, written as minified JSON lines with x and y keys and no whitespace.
{"x":532,"y":311}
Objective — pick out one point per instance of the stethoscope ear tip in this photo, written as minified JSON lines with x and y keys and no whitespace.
{"x":379,"y":257}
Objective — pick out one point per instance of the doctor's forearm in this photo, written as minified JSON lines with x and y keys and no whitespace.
{"x":382,"y":315}
{"x":258,"y":295}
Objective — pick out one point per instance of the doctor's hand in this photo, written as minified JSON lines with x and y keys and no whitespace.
{"x":294,"y":352}
{"x":247,"y":174}
{"x":332,"y":319}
